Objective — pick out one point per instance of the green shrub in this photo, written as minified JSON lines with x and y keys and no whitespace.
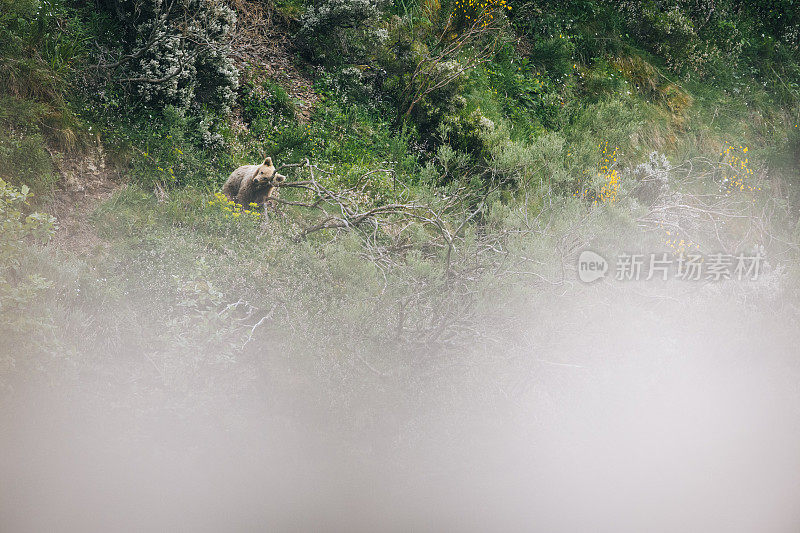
{"x":794,"y":146}
{"x":172,"y":148}
{"x":779,"y":18}
{"x":273,"y":129}
{"x":672,"y":35}
{"x":174,"y":54}
{"x":41,"y":48}
{"x":529,"y":99}
{"x":538,"y":167}
{"x":348,"y":134}
{"x":19,"y":286}
{"x":555,"y":55}
{"x":24,"y":161}
{"x":336,"y":32}
{"x":266,"y":107}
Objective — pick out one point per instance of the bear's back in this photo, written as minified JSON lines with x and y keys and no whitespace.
{"x":238,"y":178}
{"x":245,"y":172}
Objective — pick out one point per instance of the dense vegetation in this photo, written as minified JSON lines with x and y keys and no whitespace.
{"x":457,"y":155}
{"x":484,"y":114}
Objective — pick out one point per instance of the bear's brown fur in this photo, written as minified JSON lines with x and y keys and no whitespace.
{"x":253,"y":183}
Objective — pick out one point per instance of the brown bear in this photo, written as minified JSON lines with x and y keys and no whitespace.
{"x":253,"y":184}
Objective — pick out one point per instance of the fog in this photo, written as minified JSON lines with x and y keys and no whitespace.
{"x":613,"y":407}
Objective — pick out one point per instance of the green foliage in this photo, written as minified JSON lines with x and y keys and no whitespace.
{"x":23,"y":155}
{"x":614,"y":120}
{"x":24,"y":160}
{"x":779,"y":18}
{"x":794,"y":146}
{"x":273,"y":129}
{"x":442,"y":116}
{"x":41,"y":47}
{"x":336,"y":32}
{"x":350,"y":134}
{"x":39,"y":43}
{"x":586,"y":30}
{"x":673,"y":33}
{"x":555,"y":55}
{"x":171,"y":148}
{"x":291,"y":9}
{"x":19,"y":286}
{"x":173,"y":54}
{"x":267,"y":107}
{"x":530,"y":100}
{"x":538,"y":168}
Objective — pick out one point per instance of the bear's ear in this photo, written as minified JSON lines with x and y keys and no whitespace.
{"x":268,"y":161}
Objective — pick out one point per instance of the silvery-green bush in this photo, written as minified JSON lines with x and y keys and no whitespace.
{"x":178,"y":53}
{"x":341,"y":31}
{"x":651,"y":178}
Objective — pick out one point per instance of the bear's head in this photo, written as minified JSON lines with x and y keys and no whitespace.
{"x":266,"y":174}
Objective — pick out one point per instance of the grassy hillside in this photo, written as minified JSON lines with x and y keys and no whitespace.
{"x":448,"y":161}
{"x":448,"y":154}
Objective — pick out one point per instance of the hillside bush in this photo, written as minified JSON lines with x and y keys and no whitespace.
{"x":24,"y":161}
{"x":175,"y":54}
{"x":172,"y":148}
{"x":19,"y":286}
{"x":42,"y":47}
{"x":337,"y":32}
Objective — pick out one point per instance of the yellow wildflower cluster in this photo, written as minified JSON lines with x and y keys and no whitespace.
{"x":680,"y":246}
{"x":735,"y":169}
{"x":479,"y":10}
{"x":232,"y":209}
{"x":608,"y":174}
{"x":169,"y":172}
